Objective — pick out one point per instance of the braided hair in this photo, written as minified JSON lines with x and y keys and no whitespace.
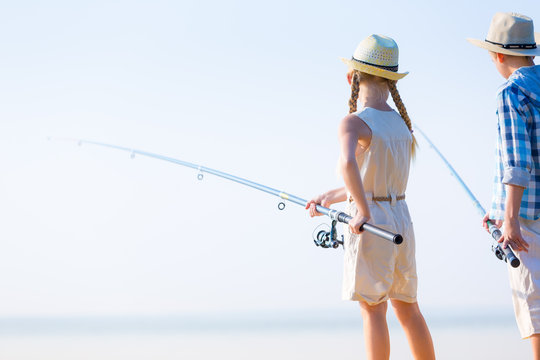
{"x":356,"y":76}
{"x":355,"y":88}
{"x":402,"y":111}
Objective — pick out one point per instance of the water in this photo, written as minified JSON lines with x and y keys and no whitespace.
{"x":321,"y":335}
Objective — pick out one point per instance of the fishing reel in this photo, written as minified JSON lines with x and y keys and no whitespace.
{"x":327,"y":238}
{"x":498,"y":252}
{"x":506,"y":255}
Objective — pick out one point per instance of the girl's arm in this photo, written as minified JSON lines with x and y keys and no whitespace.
{"x":328,"y":198}
{"x":354,"y":135}
{"x":333,"y":196}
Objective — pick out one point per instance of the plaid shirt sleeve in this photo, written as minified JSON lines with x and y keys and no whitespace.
{"x":514,"y":158}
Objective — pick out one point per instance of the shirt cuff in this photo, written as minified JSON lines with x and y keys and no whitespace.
{"x":516,"y":176}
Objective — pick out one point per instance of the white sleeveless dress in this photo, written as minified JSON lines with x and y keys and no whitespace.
{"x":375,"y":269}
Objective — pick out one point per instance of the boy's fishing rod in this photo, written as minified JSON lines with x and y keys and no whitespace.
{"x":502,"y":254}
{"x":323,"y":238}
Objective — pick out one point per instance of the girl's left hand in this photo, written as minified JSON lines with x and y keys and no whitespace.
{"x":357,"y":221}
{"x":312,"y":208}
{"x":323,"y":200}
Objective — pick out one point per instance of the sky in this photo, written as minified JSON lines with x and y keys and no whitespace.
{"x":255,"y":89}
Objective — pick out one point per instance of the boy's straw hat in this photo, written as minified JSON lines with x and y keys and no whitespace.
{"x":376,"y":55}
{"x":511,"y":34}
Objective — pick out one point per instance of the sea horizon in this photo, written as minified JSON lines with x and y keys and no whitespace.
{"x":238,"y":321}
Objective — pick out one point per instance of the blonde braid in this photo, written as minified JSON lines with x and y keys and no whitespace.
{"x":402,"y":111}
{"x":355,"y":88}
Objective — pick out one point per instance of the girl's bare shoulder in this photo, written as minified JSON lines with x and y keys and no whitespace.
{"x":354,"y":123}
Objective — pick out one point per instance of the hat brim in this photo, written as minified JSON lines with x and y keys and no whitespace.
{"x":516,"y":52}
{"x":373,"y":70}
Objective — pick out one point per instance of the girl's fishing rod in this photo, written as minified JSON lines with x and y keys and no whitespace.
{"x":501,"y":253}
{"x":324,"y":239}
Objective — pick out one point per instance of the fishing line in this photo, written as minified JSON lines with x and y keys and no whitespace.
{"x":329,"y":240}
{"x":502,"y":254}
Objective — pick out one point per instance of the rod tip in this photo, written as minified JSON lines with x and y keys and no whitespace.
{"x":398,"y":239}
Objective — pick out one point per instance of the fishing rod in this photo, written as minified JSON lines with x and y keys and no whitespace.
{"x":325,"y":239}
{"x":502,"y":254}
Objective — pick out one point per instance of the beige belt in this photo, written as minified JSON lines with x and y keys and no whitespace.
{"x":382,"y":198}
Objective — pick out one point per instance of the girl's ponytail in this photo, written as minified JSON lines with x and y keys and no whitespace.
{"x":402,"y":111}
{"x":355,"y":88}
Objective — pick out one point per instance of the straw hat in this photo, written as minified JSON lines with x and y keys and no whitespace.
{"x":510,"y":34}
{"x":376,"y":55}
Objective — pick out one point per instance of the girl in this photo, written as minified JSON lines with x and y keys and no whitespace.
{"x":376,"y":150}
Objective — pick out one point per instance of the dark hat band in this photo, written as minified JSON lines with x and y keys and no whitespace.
{"x":389,"y":68}
{"x":513,"y":46}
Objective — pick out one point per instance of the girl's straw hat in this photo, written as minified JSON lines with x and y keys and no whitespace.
{"x":376,"y":55}
{"x":511,"y":34}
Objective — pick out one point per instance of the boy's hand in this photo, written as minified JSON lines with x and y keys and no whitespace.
{"x":498,"y":223}
{"x":511,"y":235}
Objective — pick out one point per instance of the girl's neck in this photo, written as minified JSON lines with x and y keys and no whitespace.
{"x":373,"y":98}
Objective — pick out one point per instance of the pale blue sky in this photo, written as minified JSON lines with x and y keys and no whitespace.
{"x":251,"y":88}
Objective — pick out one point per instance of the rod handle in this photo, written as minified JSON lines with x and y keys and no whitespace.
{"x":510,"y":256}
{"x":385,"y":234}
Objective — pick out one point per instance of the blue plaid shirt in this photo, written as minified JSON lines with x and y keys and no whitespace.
{"x":518,"y":149}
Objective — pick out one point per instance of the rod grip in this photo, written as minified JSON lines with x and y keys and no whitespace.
{"x":385,"y":234}
{"x":510,"y":256}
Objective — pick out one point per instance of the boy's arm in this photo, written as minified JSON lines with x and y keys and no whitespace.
{"x":512,"y":233}
{"x":516,"y":160}
{"x":515,"y":144}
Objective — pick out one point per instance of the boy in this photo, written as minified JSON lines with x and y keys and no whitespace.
{"x":516,"y":200}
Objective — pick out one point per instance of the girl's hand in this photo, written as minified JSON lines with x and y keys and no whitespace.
{"x":512,"y":236}
{"x":323,"y":200}
{"x":357,"y":221}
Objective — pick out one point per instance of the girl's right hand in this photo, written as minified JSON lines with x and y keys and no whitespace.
{"x":357,"y":221}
